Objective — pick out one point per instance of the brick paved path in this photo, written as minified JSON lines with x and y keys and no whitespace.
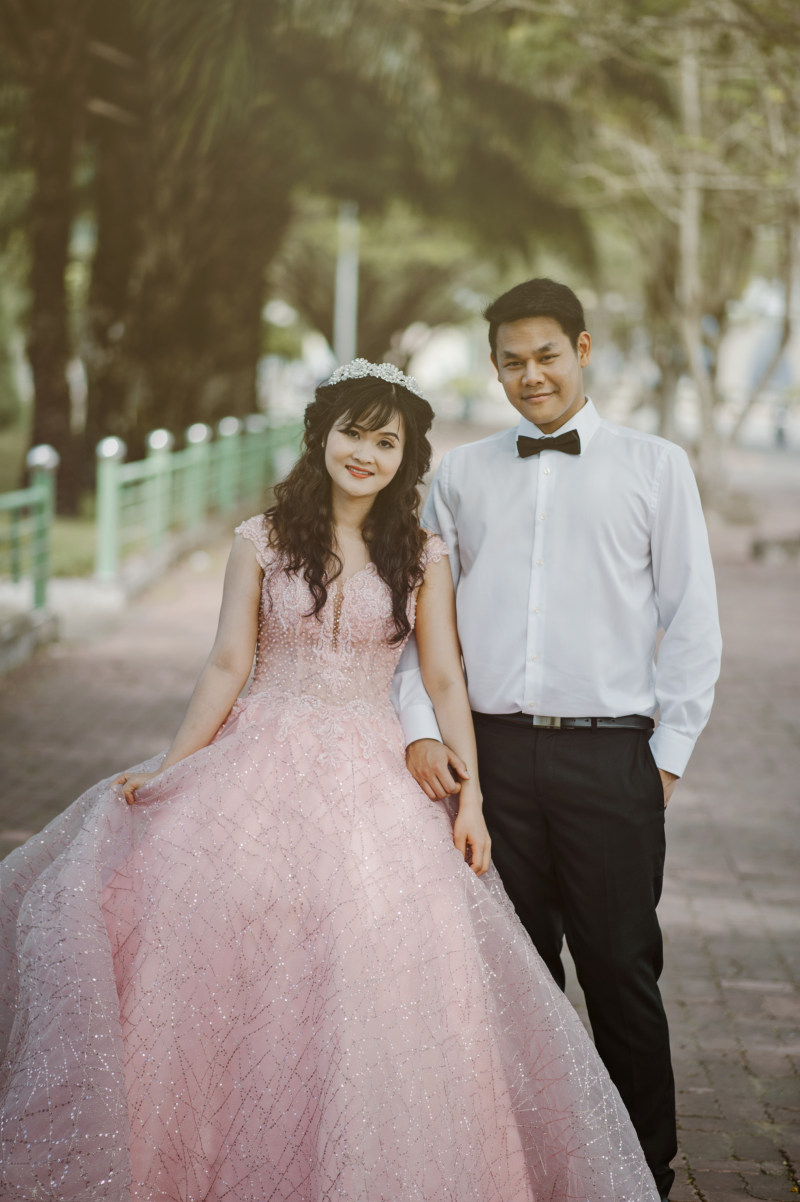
{"x":731,"y":911}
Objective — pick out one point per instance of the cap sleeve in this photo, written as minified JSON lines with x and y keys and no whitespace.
{"x":255,"y":530}
{"x":434,"y":550}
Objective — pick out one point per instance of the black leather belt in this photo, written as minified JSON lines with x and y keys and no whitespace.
{"x":627,"y":722}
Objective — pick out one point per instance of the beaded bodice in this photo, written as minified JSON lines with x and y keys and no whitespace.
{"x":341,"y":657}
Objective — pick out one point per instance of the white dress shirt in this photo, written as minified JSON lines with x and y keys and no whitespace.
{"x":565,"y":568}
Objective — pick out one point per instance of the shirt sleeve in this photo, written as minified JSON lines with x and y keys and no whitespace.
{"x":689,"y":654}
{"x":411,"y":701}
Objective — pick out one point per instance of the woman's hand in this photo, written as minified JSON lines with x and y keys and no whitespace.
{"x":469,"y":832}
{"x":131,"y":781}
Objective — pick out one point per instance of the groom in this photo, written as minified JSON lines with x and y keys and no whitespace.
{"x":572,"y":542}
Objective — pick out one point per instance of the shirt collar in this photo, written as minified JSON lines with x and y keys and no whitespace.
{"x":585,"y":421}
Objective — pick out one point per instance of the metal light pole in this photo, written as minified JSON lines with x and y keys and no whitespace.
{"x":345,"y":312}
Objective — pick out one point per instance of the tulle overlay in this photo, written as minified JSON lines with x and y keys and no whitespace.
{"x":275,"y":979}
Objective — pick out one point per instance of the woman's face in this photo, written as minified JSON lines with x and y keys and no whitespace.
{"x":361,"y":462}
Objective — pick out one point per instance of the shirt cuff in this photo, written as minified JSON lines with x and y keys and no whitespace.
{"x":671,"y":749}
{"x":418,"y":722}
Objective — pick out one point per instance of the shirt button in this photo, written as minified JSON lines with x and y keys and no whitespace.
{"x":542,"y":516}
{"x":537,"y":609}
{"x":540,"y":563}
{"x":534,"y":658}
{"x":547,"y":471}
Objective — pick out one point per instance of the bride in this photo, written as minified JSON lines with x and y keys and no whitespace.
{"x":266,"y":966}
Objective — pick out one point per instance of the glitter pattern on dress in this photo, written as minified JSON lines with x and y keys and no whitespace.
{"x":274,"y":979}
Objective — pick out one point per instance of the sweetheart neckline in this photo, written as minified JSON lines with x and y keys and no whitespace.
{"x":344,"y":583}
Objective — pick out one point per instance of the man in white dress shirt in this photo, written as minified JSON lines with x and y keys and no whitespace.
{"x":572,"y":542}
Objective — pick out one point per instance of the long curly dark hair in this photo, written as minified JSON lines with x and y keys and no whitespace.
{"x":301,"y":521}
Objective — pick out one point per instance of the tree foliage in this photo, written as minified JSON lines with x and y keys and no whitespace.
{"x":195,"y":138}
{"x":200,"y":123}
{"x":412,"y":273}
{"x":691,"y":143}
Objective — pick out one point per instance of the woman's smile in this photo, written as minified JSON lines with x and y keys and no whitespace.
{"x":355,"y":453}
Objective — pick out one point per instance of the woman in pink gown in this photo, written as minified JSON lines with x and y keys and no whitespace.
{"x":265,"y":967}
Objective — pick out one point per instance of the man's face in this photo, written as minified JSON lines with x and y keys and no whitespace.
{"x":540,"y":370}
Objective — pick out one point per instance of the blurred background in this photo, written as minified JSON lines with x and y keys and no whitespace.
{"x":183,"y":183}
{"x":205,"y":204}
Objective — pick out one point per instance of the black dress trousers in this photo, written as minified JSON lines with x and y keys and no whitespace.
{"x":577,"y":825}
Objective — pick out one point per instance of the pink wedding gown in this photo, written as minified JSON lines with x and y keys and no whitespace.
{"x":275,"y":979}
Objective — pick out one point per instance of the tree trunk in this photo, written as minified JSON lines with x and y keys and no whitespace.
{"x":118,"y":200}
{"x":708,"y":461}
{"x":659,"y":248}
{"x":665,"y":393}
{"x":241,"y":226}
{"x":57,"y":94}
{"x":216,"y":219}
{"x":787,"y":268}
{"x":109,"y":409}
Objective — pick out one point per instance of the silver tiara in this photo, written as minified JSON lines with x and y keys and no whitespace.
{"x":359,"y":368}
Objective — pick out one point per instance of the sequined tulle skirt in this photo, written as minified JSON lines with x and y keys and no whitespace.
{"x":274,"y":978}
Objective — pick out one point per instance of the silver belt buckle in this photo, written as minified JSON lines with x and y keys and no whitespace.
{"x":546,"y":720}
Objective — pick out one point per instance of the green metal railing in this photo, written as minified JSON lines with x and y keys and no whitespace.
{"x":139,"y":504}
{"x":26,"y":518}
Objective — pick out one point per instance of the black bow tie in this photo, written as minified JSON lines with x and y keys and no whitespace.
{"x":569,"y":443}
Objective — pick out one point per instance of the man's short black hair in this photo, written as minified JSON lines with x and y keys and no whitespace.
{"x":537,"y":298}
